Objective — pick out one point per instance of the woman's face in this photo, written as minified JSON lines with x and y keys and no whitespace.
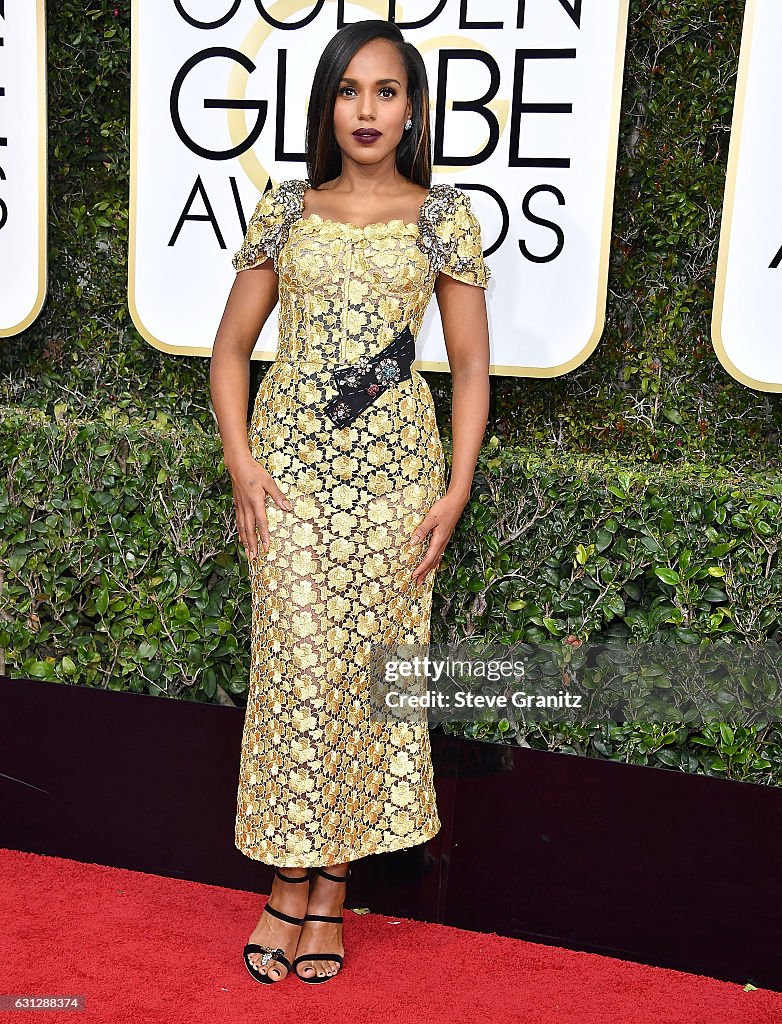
{"x":372,"y":103}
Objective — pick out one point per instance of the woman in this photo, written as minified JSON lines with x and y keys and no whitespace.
{"x":344,"y":446}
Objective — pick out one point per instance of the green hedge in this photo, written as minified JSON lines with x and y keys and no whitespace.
{"x":119,"y":556}
{"x":122,"y":569}
{"x":653,"y":388}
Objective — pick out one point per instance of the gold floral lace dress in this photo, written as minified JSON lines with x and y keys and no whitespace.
{"x":321,"y":781}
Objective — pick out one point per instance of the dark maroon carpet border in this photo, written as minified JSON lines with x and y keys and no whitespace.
{"x":643,"y":864}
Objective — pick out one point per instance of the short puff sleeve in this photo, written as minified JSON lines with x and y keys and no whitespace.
{"x":264,"y":232}
{"x":459,"y":237}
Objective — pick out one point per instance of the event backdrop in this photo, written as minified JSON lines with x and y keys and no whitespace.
{"x":748,"y":297}
{"x":220,"y":99}
{"x":22,"y":163}
{"x":525,"y":105}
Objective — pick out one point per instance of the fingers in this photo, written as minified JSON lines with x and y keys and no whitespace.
{"x":434,"y":552}
{"x":422,"y":529}
{"x":276,"y":494}
{"x":261,"y":524}
{"x":431,"y":561}
{"x":259,"y":512}
{"x":437,"y":542}
{"x":247,"y":519}
{"x":250,"y":496}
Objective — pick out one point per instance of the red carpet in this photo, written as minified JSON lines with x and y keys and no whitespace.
{"x":148,"y":949}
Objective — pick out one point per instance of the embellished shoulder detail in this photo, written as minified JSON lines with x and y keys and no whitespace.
{"x":450,"y":235}
{"x":435,"y":207}
{"x":270,"y":223}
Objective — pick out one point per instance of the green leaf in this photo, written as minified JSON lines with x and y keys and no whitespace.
{"x":726,"y":733}
{"x":181,"y":612}
{"x":669,"y":576}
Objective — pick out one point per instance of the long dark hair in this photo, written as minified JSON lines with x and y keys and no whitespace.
{"x":324,"y":157}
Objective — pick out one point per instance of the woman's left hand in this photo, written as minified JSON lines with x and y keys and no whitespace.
{"x":440,"y":521}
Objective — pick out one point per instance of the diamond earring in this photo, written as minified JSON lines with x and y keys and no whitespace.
{"x":408,"y":124}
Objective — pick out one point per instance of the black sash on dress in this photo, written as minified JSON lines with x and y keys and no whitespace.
{"x":361,"y":383}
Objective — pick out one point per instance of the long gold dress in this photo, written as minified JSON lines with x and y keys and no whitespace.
{"x":322,"y":782}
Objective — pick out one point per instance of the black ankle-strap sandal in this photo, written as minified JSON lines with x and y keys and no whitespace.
{"x":268,"y":952}
{"x":322,"y":917}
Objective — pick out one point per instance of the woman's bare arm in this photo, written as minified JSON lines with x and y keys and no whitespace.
{"x":466,"y":331}
{"x":252,"y":297}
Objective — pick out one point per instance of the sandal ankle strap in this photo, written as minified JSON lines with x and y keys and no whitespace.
{"x":282,"y":915}
{"x":335,"y":878}
{"x":287,"y":878}
{"x":323,"y":917}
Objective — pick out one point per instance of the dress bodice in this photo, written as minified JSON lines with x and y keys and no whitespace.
{"x":347,"y":290}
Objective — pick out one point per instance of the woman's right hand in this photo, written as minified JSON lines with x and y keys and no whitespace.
{"x":251,"y":484}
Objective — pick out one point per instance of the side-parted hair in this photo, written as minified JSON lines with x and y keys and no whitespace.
{"x":324,"y":157}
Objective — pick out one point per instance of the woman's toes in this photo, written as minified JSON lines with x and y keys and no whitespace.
{"x":273,"y":969}
{"x":318,"y":968}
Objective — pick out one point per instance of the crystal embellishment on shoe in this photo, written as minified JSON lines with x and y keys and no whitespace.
{"x":268,"y":952}
{"x":271,"y":954}
{"x":361,"y":383}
